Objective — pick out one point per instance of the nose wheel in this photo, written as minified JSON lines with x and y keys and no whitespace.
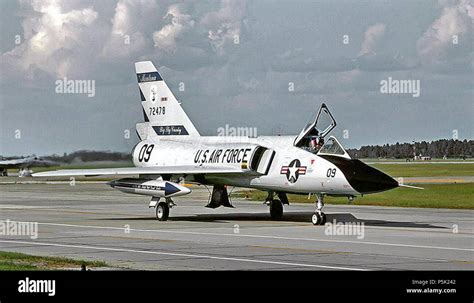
{"x":319,"y":218}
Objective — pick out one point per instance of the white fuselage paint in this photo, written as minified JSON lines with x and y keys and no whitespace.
{"x":190,"y":151}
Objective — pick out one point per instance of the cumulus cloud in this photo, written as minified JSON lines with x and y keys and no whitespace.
{"x":72,"y":38}
{"x":193,"y":43}
{"x":51,"y":33}
{"x":165,"y":38}
{"x":224,"y":25}
{"x":437,"y":40}
{"x":371,"y":37}
{"x":129,"y":26}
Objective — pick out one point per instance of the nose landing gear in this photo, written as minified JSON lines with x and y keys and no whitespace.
{"x":319,"y":218}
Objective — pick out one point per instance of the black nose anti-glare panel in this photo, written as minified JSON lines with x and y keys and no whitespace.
{"x":362,"y":177}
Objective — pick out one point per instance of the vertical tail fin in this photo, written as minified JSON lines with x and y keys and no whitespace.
{"x":160,"y":107}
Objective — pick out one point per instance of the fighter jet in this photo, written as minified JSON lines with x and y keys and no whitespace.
{"x":23,"y":165}
{"x":171,"y":151}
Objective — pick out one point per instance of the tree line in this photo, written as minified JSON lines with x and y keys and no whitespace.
{"x":435,"y":149}
{"x":90,"y":156}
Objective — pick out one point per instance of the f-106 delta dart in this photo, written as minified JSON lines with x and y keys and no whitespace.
{"x":171,"y":151}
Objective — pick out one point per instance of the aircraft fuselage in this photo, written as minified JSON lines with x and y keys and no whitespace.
{"x":286,"y":168}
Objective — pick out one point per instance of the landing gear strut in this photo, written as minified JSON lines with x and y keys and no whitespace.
{"x":276,"y":205}
{"x":319,"y":218}
{"x":276,"y":209}
{"x":162,"y":209}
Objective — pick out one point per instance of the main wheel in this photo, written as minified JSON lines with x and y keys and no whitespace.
{"x":276,"y":210}
{"x":162,"y":211}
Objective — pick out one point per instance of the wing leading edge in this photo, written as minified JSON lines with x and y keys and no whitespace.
{"x":173,"y":170}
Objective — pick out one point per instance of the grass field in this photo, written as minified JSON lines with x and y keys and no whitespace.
{"x":426,"y":170}
{"x":459,"y":196}
{"x":382,"y":160}
{"x":19,"y":261}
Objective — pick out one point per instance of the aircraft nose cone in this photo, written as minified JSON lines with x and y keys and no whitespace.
{"x":366,"y":179}
{"x":362,"y":177}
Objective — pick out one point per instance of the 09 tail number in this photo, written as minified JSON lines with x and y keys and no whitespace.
{"x":145,"y":152}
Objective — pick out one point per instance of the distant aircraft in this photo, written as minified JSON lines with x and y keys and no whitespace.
{"x":23,"y":165}
{"x":171,"y":150}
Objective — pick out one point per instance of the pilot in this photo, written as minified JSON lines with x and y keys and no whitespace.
{"x":313,"y":143}
{"x":316,"y":143}
{"x":320,"y":142}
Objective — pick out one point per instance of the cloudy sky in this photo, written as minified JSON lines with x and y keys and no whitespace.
{"x":238,"y":61}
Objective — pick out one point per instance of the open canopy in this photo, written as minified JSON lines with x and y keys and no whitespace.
{"x":315,"y":131}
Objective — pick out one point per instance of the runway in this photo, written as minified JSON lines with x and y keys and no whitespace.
{"x":93,"y":221}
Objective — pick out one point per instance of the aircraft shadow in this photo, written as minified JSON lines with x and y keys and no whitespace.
{"x":303,"y":217}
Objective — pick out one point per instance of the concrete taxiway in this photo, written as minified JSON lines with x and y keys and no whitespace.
{"x":92,"y":221}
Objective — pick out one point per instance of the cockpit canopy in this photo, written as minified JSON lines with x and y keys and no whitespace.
{"x":312,"y":136}
{"x":333,"y":147}
{"x":318,"y":127}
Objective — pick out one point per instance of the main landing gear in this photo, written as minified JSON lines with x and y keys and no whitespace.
{"x":319,"y":218}
{"x":162,"y":211}
{"x":276,"y":205}
{"x":162,"y":208}
{"x":276,"y":209}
